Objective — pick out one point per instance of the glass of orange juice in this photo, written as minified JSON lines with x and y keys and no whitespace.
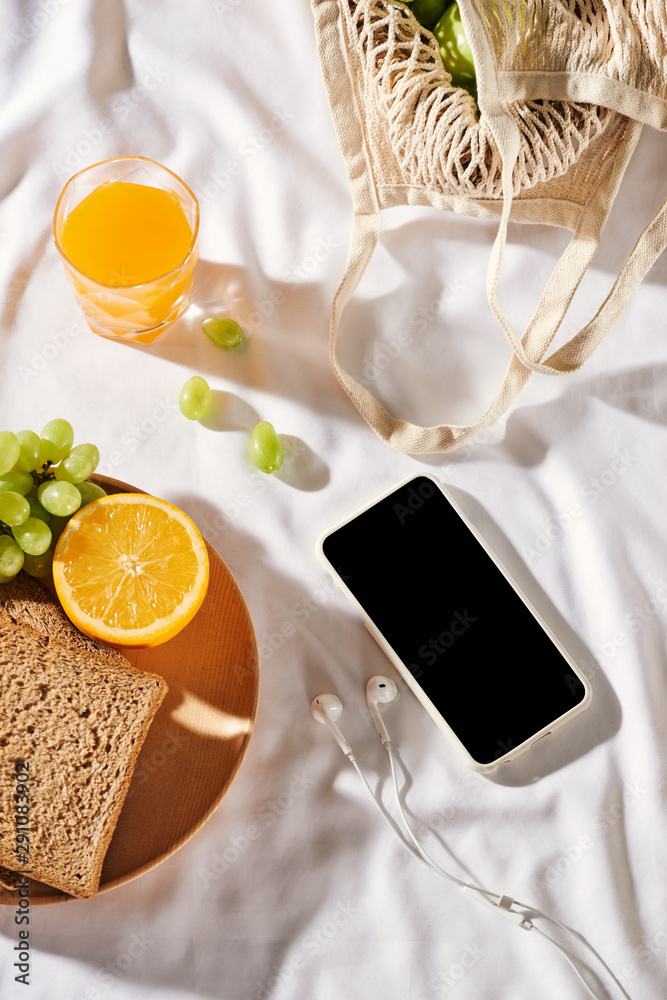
{"x":127,"y":232}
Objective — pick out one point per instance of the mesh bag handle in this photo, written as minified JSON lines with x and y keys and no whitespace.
{"x":568,"y":274}
{"x":400,"y":434}
{"x":529,"y":349}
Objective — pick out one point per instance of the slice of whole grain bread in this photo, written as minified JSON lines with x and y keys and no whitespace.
{"x":78,"y":720}
{"x":27,"y":601}
{"x":9,"y":880}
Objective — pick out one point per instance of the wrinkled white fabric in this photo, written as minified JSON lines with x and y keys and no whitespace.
{"x":295,"y":889}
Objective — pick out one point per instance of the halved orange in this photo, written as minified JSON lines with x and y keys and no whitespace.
{"x":130,"y":569}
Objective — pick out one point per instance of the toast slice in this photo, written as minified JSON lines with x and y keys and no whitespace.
{"x":9,"y":880}
{"x":78,"y":720}
{"x":27,"y":601}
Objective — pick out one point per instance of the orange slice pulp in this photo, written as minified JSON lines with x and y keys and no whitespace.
{"x":130,"y":569}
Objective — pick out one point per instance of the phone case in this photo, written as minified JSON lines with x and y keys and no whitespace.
{"x":412,"y":683}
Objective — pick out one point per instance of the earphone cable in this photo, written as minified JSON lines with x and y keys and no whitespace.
{"x":571,"y":963}
{"x":491,"y":896}
{"x":580,"y":937}
{"x":424,"y":854}
{"x":418,"y":851}
{"x":396,"y":831}
{"x":326,"y":708}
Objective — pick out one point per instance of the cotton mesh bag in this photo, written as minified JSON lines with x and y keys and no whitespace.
{"x":409,"y":137}
{"x":610,"y":52}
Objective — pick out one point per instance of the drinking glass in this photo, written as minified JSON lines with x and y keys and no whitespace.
{"x":121,"y":309}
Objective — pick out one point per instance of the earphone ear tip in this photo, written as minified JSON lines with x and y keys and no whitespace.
{"x":381,"y":688}
{"x":326,"y":705}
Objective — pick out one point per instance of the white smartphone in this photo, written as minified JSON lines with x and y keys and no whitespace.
{"x":455,"y":625}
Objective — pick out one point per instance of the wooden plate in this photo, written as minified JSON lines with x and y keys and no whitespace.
{"x":197,"y":740}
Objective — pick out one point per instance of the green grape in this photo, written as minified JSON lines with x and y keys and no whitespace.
{"x":57,"y":526}
{"x":17,"y":481}
{"x":195,"y":398}
{"x":10,"y":449}
{"x":90,"y":451}
{"x":57,"y":439}
{"x":265,"y":448}
{"x":30,"y":458}
{"x":14,"y":509}
{"x":222,"y":331}
{"x":39,"y":566}
{"x":36,"y":510}
{"x":11,"y":556}
{"x":89,"y":492}
{"x":74,"y":468}
{"x":33,"y":536}
{"x":58,"y":498}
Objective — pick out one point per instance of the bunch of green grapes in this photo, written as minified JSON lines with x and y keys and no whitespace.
{"x":42,"y":483}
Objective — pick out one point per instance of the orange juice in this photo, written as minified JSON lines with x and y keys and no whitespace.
{"x":126,"y":234}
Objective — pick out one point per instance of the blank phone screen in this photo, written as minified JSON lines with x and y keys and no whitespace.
{"x":454,"y":620}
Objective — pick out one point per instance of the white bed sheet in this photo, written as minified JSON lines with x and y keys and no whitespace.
{"x":295,"y":889}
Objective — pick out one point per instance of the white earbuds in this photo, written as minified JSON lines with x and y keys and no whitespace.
{"x":380,"y":691}
{"x":326,"y":708}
